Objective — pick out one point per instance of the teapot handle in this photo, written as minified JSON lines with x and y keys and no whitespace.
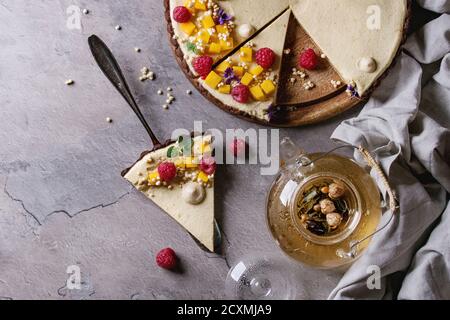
{"x":393,"y":205}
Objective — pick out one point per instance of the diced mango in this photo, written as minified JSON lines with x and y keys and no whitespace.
{"x":214,"y":48}
{"x":268,"y":87}
{"x":257,"y":93}
{"x":180,"y":163}
{"x":247,"y":79}
{"x":153,"y":177}
{"x":239,"y":71}
{"x":187,"y":27}
{"x":190,"y":4}
{"x":227,"y":45}
{"x":221,"y":28}
{"x":191,"y":162}
{"x":257,"y":70}
{"x":204,"y":36}
{"x":246,"y":54}
{"x":208,"y":22}
{"x":214,"y":38}
{"x":200,"y":5}
{"x":213,"y":79}
{"x":223,"y":66}
{"x":226,"y":89}
{"x":203,"y":177}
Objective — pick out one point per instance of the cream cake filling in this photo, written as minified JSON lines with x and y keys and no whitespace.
{"x":360,"y":38}
{"x":196,"y":216}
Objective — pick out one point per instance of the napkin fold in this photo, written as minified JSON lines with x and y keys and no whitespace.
{"x":406,"y":126}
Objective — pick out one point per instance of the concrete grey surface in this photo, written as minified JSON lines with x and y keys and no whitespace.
{"x":62,"y":200}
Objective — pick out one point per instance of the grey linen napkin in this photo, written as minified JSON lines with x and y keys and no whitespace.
{"x":406,"y":125}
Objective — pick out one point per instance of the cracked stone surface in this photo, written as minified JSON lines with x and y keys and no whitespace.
{"x":63,"y":201}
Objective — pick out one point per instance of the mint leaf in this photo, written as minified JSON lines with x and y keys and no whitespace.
{"x":191,"y":47}
{"x":173,"y":152}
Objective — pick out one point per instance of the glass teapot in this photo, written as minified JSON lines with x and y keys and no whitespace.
{"x":323,"y":209}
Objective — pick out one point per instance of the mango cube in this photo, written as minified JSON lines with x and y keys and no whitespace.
{"x":190,"y":4}
{"x":246,"y":54}
{"x":223,"y":66}
{"x":268,"y":87}
{"x":204,"y":36}
{"x":208,"y":22}
{"x":200,"y":5}
{"x":247,"y":79}
{"x":203,"y":177}
{"x":213,"y":79}
{"x":179,"y":163}
{"x":191,"y":162}
{"x":214,"y":48}
{"x":257,"y":93}
{"x":225,"y":89}
{"x":221,"y":28}
{"x":187,"y":27}
{"x":256,"y":71}
{"x":239,"y":71}
{"x":227,"y":44}
{"x":153,"y":177}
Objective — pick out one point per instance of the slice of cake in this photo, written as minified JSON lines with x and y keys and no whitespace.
{"x":179,"y":178}
{"x":246,"y":82}
{"x":360,"y":38}
{"x":214,"y":28}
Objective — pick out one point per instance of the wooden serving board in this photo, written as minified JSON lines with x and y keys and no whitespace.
{"x":294,"y":105}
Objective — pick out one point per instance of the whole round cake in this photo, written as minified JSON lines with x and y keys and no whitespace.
{"x":286,"y":62}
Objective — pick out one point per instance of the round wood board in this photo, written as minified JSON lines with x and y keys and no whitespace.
{"x":326,"y":106}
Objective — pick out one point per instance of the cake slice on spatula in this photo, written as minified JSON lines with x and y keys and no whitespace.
{"x":179,"y":175}
{"x":179,"y":178}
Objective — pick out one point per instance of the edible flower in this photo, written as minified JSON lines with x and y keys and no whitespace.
{"x":223,"y":17}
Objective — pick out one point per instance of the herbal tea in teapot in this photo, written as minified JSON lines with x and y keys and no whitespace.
{"x":319,"y":205}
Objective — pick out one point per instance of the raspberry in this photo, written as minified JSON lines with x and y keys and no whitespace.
{"x":166,"y":259}
{"x":308,"y":59}
{"x":167,"y":171}
{"x":265,"y":57}
{"x":181,"y":14}
{"x":203,"y":65}
{"x":241,"y":93}
{"x":208,"y":165}
{"x":238,"y":147}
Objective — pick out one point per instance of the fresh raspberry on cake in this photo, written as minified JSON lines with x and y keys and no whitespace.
{"x":208,"y":165}
{"x":203,"y":65}
{"x":167,"y":171}
{"x":241,"y":93}
{"x":166,"y":259}
{"x":265,"y":57}
{"x":308,"y":60}
{"x":181,"y":14}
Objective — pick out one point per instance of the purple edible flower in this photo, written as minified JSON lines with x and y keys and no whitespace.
{"x":353,"y":91}
{"x":223,"y":17}
{"x":229,"y":75}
